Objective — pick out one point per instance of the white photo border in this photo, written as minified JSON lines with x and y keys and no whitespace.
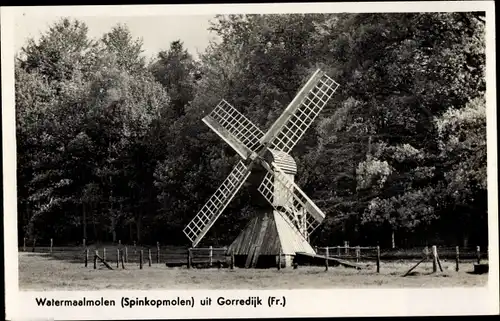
{"x":307,"y":303}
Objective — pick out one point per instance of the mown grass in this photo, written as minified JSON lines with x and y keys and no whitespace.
{"x":42,"y":272}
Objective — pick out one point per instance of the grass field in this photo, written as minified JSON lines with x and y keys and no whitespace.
{"x":38,"y":271}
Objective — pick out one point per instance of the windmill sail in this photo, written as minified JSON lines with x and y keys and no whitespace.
{"x":206,"y":217}
{"x":289,"y":200}
{"x":249,"y":141}
{"x":300,"y":113}
{"x":237,"y":130}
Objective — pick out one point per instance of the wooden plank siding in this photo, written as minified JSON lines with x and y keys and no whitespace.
{"x":260,"y":230}
{"x":269,"y":232}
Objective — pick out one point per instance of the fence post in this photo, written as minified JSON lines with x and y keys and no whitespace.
{"x":135,"y":247}
{"x":140,"y":259}
{"x":378,"y":259}
{"x":84,"y":243}
{"x":346,"y":247}
{"x":210,"y":256}
{"x":104,"y":254}
{"x":358,"y":253}
{"x":157,"y":252}
{"x":457,"y":259}
{"x":478,"y":253}
{"x":123,"y":263}
{"x":434,"y":259}
{"x":126,"y":255}
{"x":316,"y":249}
{"x":34,"y":244}
{"x":149,"y":257}
{"x":439,"y":262}
{"x":232,"y":260}
{"x":327,"y":255}
{"x":117,"y":258}
{"x":86,"y":257}
{"x":338,"y":250}
{"x":189,"y":259}
{"x":24,"y":244}
{"x":95,"y":259}
{"x":51,"y":245}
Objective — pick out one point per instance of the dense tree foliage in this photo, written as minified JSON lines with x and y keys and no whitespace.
{"x":110,"y":147}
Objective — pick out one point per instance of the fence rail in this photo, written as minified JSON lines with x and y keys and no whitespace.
{"x":125,"y":254}
{"x":370,"y":252}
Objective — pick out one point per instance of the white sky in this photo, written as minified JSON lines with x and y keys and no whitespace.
{"x":157,"y":32}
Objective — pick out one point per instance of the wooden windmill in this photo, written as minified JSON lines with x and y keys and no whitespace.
{"x":286,"y":216}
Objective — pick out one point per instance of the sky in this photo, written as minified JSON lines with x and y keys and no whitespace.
{"x":157,"y":32}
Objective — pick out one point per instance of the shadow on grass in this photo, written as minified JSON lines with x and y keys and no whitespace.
{"x":435,"y":274}
{"x":475,"y":273}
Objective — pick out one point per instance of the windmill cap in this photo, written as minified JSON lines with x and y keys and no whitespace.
{"x":282,"y":160}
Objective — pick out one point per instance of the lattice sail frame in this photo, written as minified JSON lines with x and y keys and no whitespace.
{"x":238,"y":125}
{"x":213,"y":208}
{"x":309,"y":107}
{"x":296,"y":202}
{"x":282,"y":136}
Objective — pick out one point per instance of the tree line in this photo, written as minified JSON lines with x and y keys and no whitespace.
{"x":111,"y":146}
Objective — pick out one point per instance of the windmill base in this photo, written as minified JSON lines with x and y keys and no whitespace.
{"x":265,"y":238}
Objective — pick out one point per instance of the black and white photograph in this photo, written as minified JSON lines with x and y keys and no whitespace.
{"x":227,"y":149}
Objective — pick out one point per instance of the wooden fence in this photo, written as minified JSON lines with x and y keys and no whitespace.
{"x":360,"y":254}
{"x":369,"y":253}
{"x":141,"y":256}
{"x":120,"y":255}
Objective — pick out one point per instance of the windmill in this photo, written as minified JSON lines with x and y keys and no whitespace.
{"x":286,"y":216}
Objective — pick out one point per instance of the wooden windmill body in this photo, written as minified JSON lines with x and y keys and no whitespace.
{"x":268,"y":234}
{"x":284,"y":216}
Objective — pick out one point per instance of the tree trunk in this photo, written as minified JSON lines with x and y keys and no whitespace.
{"x":466,"y":239}
{"x":84,"y":219}
{"x":369,"y":147}
{"x":111,"y":200}
{"x":96,"y":233}
{"x":113,"y":228}
{"x":27,"y":218}
{"x":95,"y":227}
{"x":139,"y":227}
{"x":27,"y":215}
